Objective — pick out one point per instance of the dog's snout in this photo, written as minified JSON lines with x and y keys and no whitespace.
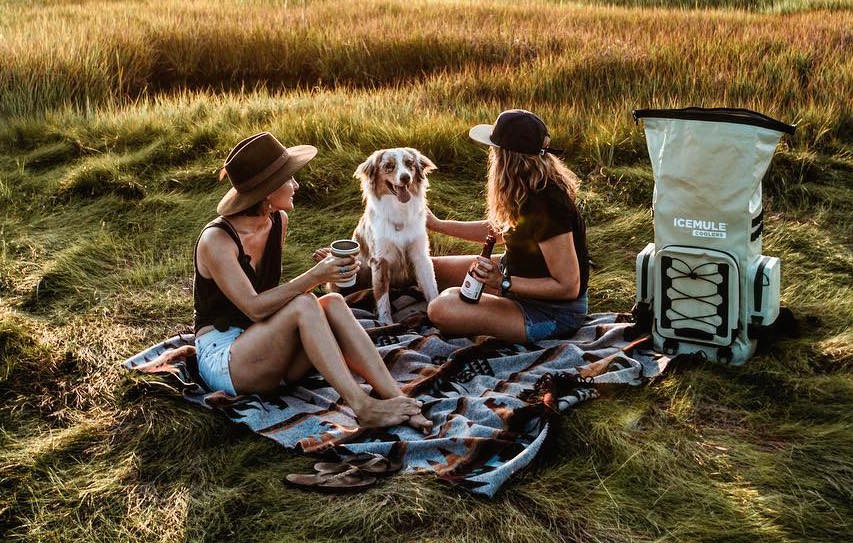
{"x":405,"y":178}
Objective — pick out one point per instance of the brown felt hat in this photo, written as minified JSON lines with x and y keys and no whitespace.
{"x":257,"y":166}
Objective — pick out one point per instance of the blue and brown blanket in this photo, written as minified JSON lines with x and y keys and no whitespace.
{"x":491,"y":402}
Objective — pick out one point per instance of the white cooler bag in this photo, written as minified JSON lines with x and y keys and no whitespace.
{"x":704,"y":284}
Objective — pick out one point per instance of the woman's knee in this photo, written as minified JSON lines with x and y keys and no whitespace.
{"x":305,"y":305}
{"x":440,"y":310}
{"x":334,"y":306}
{"x":332,"y":300}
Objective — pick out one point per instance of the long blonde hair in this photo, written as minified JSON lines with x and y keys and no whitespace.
{"x":513,"y":176}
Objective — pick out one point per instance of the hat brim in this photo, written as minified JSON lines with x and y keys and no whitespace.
{"x":235,"y":202}
{"x":481,"y":134}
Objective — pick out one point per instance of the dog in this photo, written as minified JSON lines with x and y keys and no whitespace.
{"x":392,"y":230}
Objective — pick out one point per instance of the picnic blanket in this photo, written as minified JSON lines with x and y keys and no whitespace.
{"x":491,"y":402}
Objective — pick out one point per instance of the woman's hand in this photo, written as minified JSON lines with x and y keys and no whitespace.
{"x":431,"y":220}
{"x":488,"y":272}
{"x":333,"y":269}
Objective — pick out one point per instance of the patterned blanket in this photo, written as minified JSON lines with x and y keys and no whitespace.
{"x":491,"y":402}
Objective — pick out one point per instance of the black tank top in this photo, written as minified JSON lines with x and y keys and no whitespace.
{"x":210,"y":305}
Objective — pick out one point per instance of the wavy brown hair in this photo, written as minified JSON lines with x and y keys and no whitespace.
{"x":513,"y":176}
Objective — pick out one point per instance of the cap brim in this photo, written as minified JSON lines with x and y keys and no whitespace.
{"x":235,"y":202}
{"x":481,"y":133}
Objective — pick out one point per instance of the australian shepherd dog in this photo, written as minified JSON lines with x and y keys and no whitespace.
{"x":392,"y":231}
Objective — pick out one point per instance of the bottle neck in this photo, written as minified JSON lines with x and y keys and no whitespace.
{"x":488,"y":247}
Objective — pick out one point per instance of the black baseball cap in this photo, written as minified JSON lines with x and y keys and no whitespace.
{"x":515,"y":130}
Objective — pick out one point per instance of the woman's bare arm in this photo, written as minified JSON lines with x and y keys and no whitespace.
{"x":468,"y":230}
{"x":219,"y":254}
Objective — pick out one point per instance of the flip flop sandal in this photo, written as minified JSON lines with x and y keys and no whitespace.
{"x":346,"y":462}
{"x":372,"y":463}
{"x":351,"y":479}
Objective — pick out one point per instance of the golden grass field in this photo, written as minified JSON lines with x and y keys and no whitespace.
{"x":115,"y":117}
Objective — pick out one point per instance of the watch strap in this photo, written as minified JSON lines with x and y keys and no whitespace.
{"x":506,"y":284}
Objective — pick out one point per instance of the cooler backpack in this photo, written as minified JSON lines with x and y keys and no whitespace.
{"x":703,"y":284}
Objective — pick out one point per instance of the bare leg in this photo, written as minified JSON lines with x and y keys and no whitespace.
{"x":361,"y":355}
{"x":450,"y":270}
{"x":264,"y":353}
{"x":298,"y":367}
{"x":454,"y":317}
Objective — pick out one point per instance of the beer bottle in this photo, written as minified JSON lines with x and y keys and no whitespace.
{"x":472,"y":288}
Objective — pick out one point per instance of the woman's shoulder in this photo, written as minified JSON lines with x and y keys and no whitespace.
{"x":214,"y":244}
{"x":215,"y":238}
{"x":549,"y":196}
{"x":552,"y":203}
{"x":554,"y":188}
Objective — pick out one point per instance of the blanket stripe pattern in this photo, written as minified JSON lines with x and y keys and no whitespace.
{"x":471,"y":388}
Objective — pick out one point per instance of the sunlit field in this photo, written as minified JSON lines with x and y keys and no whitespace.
{"x":116,"y":116}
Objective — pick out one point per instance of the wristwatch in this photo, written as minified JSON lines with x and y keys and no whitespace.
{"x":506,"y":284}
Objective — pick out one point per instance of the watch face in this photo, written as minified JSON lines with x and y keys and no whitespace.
{"x":505,"y":284}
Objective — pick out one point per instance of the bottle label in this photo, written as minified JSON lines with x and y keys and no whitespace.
{"x":471,"y":287}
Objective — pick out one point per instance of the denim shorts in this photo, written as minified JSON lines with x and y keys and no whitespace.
{"x":213,"y":352}
{"x":544,"y":319}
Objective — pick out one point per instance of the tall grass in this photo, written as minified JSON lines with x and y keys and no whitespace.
{"x":117,"y":115}
{"x":92,"y":54}
{"x":767,"y":6}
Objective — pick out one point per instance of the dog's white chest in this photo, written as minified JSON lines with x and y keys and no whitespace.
{"x":401,"y":223}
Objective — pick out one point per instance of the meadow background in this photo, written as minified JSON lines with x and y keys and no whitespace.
{"x":115,"y":117}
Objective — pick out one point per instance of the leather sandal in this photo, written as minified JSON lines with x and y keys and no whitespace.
{"x":371,"y":463}
{"x":351,"y":479}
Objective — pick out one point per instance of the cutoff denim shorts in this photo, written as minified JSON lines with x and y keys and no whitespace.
{"x":544,"y":319}
{"x":213,"y":352}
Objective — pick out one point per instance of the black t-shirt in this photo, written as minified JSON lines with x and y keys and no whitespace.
{"x":543,"y":215}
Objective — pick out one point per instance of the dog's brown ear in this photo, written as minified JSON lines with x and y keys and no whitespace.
{"x":367,"y":169}
{"x":425,"y":165}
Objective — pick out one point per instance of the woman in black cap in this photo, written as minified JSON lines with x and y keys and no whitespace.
{"x":537,"y":289}
{"x":251,"y":332}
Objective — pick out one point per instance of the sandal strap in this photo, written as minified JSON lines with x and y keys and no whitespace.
{"x":351,"y":471}
{"x":341,"y":475}
{"x":371,"y":463}
{"x":360,"y":457}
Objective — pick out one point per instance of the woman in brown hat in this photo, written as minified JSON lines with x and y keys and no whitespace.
{"x":251,"y":331}
{"x":538,"y":286}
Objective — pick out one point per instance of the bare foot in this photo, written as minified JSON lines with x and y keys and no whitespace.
{"x":420,"y":422}
{"x":380,"y":413}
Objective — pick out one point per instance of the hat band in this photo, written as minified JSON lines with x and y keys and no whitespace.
{"x":540,"y":152}
{"x":516,"y":148}
{"x":258,"y":178}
